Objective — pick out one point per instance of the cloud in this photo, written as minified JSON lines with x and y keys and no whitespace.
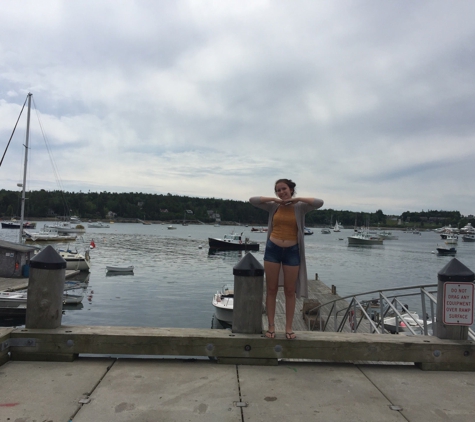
{"x":366,"y":105}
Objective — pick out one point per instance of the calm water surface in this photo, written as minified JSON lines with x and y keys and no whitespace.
{"x":175,"y":276}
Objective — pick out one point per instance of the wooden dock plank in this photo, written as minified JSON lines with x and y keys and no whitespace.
{"x":317,"y":290}
{"x":12,"y":284}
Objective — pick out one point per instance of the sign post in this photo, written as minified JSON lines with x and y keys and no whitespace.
{"x":458,"y":303}
{"x":455,"y":301}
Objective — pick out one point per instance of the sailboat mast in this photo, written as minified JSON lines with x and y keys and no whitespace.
{"x":25,"y":166}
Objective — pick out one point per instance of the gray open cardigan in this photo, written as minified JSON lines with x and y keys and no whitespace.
{"x":301,"y":208}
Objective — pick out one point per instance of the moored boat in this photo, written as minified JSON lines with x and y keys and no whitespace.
{"x":336,"y":228}
{"x":14,"y":224}
{"x":468,"y":237}
{"x":20,"y":297}
{"x":259,"y":230}
{"x":120,"y":268}
{"x":364,"y":238}
{"x":98,"y":225}
{"x":444,"y":250}
{"x":451,"y":239}
{"x":387,"y":235}
{"x":400,"y":325}
{"x":75,"y":260}
{"x":307,"y":231}
{"x":223,"y":302}
{"x":233,"y":242}
{"x":66,"y":227}
{"x":47,"y":235}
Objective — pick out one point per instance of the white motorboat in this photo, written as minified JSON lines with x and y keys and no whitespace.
{"x":10,"y":298}
{"x":468,"y":229}
{"x":468,"y":237}
{"x":47,"y":235}
{"x":120,"y":269}
{"x":223,"y":302}
{"x":72,"y":298}
{"x":66,"y":227}
{"x":75,"y":260}
{"x":307,"y":231}
{"x":387,"y":235}
{"x":451,"y":239}
{"x":364,"y":238}
{"x":407,"y":319}
{"x":98,"y":225}
{"x":21,"y":297}
{"x":326,"y":231}
{"x":171,"y":227}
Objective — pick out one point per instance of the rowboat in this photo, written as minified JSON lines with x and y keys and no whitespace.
{"x":120,"y":269}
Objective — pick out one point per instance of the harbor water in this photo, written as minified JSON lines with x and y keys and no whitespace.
{"x":175,"y":274}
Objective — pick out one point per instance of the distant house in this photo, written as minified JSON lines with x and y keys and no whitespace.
{"x":14,"y":259}
{"x":212,"y":214}
{"x":111,"y":214}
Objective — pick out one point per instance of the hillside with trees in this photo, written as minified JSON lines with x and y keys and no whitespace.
{"x":131,"y":206}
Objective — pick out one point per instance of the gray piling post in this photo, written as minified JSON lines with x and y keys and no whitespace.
{"x":454,"y":271}
{"x":44,"y":304}
{"x":248,"y":292}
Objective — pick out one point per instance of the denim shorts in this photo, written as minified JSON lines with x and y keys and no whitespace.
{"x":287,"y":256}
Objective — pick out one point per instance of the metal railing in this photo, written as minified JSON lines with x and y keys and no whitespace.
{"x":384,"y":314}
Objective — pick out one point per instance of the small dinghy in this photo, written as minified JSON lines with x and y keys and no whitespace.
{"x":119,"y":269}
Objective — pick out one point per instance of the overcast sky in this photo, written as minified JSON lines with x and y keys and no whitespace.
{"x":366,"y":104}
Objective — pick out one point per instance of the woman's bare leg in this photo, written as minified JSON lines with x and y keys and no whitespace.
{"x":290,"y":279}
{"x":272,"y":270}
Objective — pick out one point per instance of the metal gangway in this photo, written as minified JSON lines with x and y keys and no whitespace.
{"x":383,"y":311}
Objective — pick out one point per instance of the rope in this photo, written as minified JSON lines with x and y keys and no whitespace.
{"x":16,"y":124}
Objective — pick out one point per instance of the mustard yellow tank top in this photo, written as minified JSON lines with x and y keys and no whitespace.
{"x":284,"y":224}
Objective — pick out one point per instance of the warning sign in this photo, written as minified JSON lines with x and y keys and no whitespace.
{"x":458,"y":303}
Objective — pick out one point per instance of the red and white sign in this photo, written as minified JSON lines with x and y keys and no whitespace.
{"x":458,"y":303}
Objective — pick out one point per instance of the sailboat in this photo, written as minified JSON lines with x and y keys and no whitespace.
{"x":336,"y":228}
{"x":51,"y":235}
{"x":363,"y":237}
{"x":25,"y":166}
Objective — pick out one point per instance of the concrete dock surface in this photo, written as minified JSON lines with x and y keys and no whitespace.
{"x":110,"y":389}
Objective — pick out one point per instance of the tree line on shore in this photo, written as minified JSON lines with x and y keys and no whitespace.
{"x":167,"y":207}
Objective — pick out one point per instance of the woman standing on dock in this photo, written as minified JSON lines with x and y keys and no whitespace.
{"x":284,"y":256}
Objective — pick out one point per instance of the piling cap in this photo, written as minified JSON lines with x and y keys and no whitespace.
{"x":48,"y":259}
{"x":455,"y":271}
{"x":248,"y":267}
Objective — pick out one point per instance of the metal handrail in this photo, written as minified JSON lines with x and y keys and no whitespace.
{"x":388,"y":304}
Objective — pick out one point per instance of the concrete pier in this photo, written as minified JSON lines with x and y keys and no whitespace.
{"x":107,"y":389}
{"x":295,"y":382}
